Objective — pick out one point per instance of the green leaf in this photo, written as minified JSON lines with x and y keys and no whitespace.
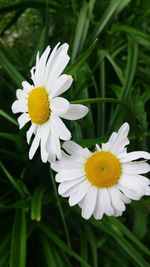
{"x":117,"y":235}
{"x":129,"y":76}
{"x":10,"y":69}
{"x":107,"y":16}
{"x":140,"y":36}
{"x":8,"y":117}
{"x":81,"y":30}
{"x":61,"y":244}
{"x":116,"y":68}
{"x":140,"y":227}
{"x":114,"y":222}
{"x":49,"y":257}
{"x":36,"y":203}
{"x":74,"y":68}
{"x":18,"y":240}
{"x":13,"y":181}
{"x":92,"y":241}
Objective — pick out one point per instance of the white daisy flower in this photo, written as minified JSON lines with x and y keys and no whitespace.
{"x":102,"y":182}
{"x":40,"y":104}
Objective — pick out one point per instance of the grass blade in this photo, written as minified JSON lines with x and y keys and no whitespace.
{"x":10,"y":69}
{"x":8,"y":117}
{"x":36,"y":203}
{"x":18,"y":240}
{"x":73,"y":69}
{"x":61,"y":244}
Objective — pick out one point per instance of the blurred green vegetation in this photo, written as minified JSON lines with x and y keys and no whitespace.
{"x":110,"y":60}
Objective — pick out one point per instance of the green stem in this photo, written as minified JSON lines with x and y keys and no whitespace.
{"x":100,"y":100}
{"x":60,"y":210}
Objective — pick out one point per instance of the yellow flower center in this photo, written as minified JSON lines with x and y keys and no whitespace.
{"x":103,"y":169}
{"x":38,"y":105}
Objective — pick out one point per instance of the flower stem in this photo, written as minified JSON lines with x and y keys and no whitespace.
{"x":100,"y":100}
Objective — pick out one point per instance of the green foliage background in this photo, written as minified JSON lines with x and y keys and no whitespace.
{"x":110,"y":63}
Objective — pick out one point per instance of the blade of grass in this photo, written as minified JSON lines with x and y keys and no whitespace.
{"x":101,"y":109}
{"x":108,"y":14}
{"x":61,"y":244}
{"x":12,"y":180}
{"x":36,"y":203}
{"x":18,"y":240}
{"x":48,"y":253}
{"x":10,"y":69}
{"x":129,"y":76}
{"x":117,"y":223}
{"x":8,"y":117}
{"x":61,"y":210}
{"x":74,"y":68}
{"x":81,"y":30}
{"x":121,"y":241}
{"x":92,"y":241}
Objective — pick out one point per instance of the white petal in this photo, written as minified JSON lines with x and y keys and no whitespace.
{"x":89,"y":203}
{"x":40,"y":68}
{"x":124,"y":129}
{"x":68,"y":175}
{"x":19,"y":106}
{"x":112,"y":139}
{"x":60,"y":128}
{"x":75,"y":188}
{"x":75,"y":112}
{"x":44,"y":137}
{"x":99,"y":211}
{"x":27,"y":86}
{"x":21,"y":94}
{"x":30,"y":132}
{"x":135,"y":155}
{"x":55,"y":144}
{"x":34,"y":145}
{"x":23,"y":119}
{"x":129,"y":192}
{"x":59,"y":105}
{"x":61,"y":85}
{"x":142,"y":180}
{"x":80,"y":193}
{"x":60,"y":61}
{"x":121,"y":139}
{"x":116,"y":201}
{"x":70,"y":163}
{"x":124,"y":198}
{"x":50,"y":149}
{"x":49,"y":65}
{"x":76,"y":150}
{"x":66,"y":186}
{"x":105,"y":201}
{"x":98,"y":147}
{"x":127,"y":181}
{"x":135,"y":167}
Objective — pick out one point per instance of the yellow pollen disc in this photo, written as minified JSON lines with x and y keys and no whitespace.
{"x":103,"y":169}
{"x":38,"y":105}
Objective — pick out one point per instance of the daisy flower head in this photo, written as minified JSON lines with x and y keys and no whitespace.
{"x":103,"y":181}
{"x":40,"y":103}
